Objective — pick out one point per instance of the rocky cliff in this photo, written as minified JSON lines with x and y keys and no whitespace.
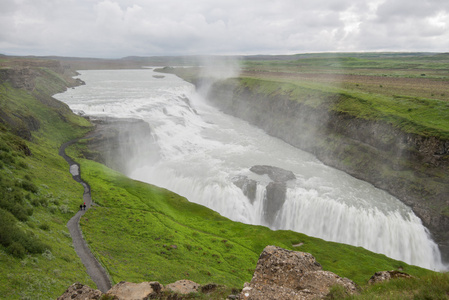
{"x":121,"y":144}
{"x":38,"y":79}
{"x":411,"y":167}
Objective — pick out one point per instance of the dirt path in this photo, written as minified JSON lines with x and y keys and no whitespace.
{"x":94,"y":269}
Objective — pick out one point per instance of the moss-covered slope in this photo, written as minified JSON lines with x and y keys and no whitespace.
{"x":38,"y":195}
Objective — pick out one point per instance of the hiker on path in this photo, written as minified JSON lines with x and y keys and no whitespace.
{"x":84,"y":206}
{"x":81,"y":207}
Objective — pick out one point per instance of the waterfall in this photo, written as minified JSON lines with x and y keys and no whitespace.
{"x":203,"y":155}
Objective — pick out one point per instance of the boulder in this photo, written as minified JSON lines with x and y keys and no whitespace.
{"x":78,"y":291}
{"x":135,"y":291}
{"x":276,"y":174}
{"x":285,"y":274}
{"x":183,"y":287}
{"x":387,"y":275}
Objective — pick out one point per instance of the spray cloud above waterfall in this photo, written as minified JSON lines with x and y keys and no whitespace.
{"x":216,"y":68}
{"x":220,"y":67}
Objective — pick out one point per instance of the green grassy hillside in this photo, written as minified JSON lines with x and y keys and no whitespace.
{"x":38,"y":195}
{"x":138,"y":231}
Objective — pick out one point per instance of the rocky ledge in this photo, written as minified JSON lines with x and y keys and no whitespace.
{"x":133,"y":291}
{"x":285,"y":274}
{"x":279,"y":274}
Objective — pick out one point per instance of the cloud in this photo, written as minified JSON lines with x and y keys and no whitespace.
{"x":117,"y":28}
{"x":404,"y":25}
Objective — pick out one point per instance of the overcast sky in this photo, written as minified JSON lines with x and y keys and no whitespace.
{"x":118,"y":28}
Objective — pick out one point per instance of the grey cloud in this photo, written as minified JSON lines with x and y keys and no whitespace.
{"x":116,"y":28}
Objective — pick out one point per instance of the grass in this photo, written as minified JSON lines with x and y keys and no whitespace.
{"x":434,"y":286}
{"x":39,"y":261}
{"x":423,"y":116}
{"x":168,"y":238}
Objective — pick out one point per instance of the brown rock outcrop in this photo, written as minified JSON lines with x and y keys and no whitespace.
{"x":78,"y":291}
{"x":183,"y":287}
{"x":387,"y":275}
{"x":285,"y":274}
{"x":135,"y":291}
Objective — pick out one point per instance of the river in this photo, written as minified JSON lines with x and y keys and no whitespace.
{"x":198,"y":152}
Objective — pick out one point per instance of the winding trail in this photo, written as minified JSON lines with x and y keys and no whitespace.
{"x":93,"y":267}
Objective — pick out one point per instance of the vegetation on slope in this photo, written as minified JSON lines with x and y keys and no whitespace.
{"x":38,"y":195}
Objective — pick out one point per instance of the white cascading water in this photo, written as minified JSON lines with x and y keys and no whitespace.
{"x":202,"y":151}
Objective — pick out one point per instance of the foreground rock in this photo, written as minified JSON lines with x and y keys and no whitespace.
{"x":128,"y":290}
{"x":279,"y":274}
{"x":183,"y":287}
{"x":386,"y":276}
{"x":136,"y":291}
{"x":285,"y":274}
{"x":78,"y":291}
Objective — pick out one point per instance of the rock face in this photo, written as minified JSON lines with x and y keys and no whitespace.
{"x":274,"y":200}
{"x":284,"y":274}
{"x":248,"y":186}
{"x":121,"y":144}
{"x":275,"y":191}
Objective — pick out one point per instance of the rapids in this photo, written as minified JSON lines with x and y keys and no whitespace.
{"x":200,"y":152}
